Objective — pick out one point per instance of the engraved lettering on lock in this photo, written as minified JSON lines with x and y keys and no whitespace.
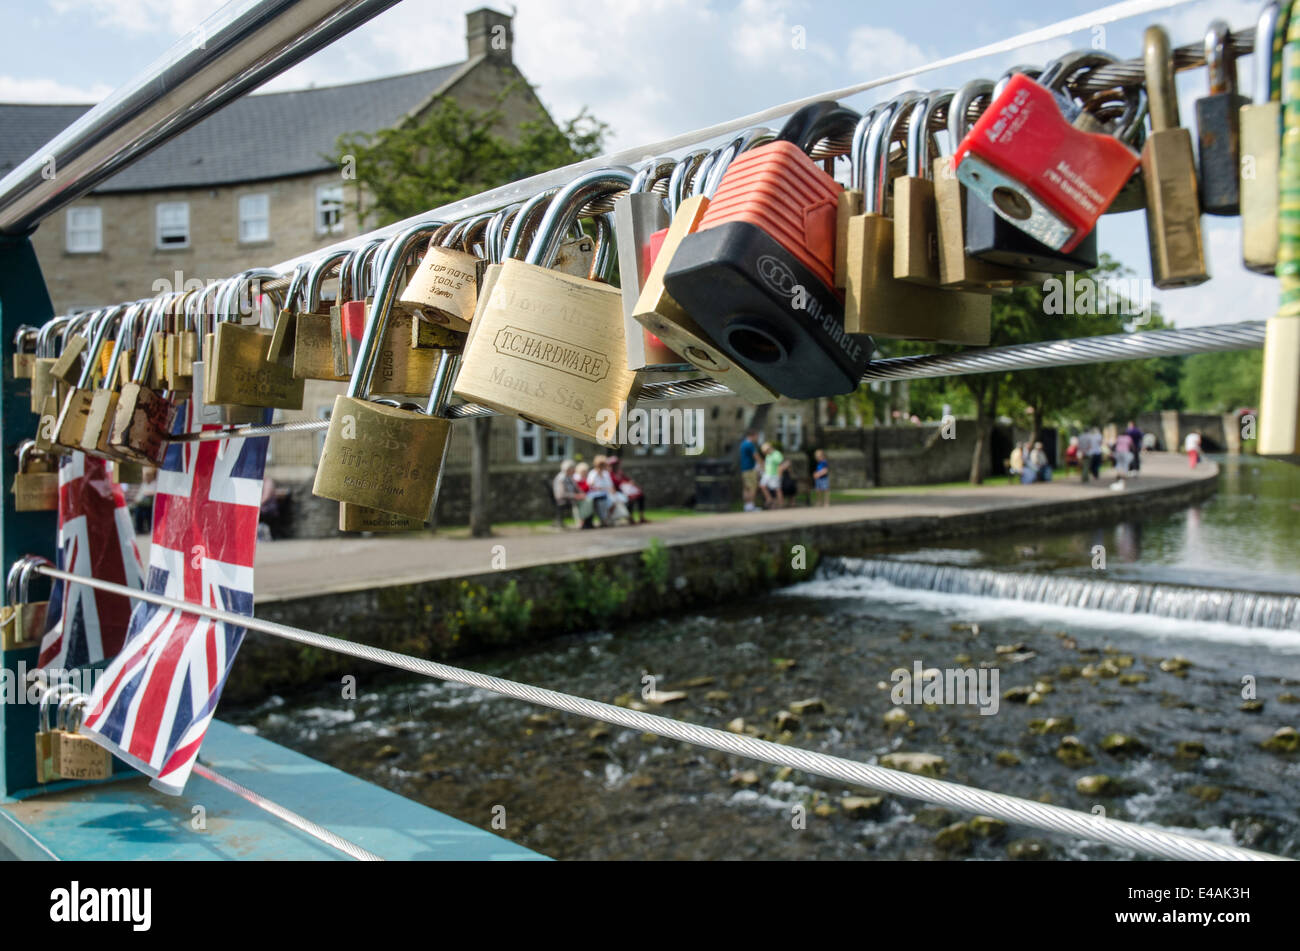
{"x":545,"y":351}
{"x":517,"y":383}
{"x":776,"y":275}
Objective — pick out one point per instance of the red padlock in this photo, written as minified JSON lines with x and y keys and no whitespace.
{"x":1036,"y":170}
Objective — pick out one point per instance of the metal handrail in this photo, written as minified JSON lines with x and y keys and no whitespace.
{"x":232,"y":52}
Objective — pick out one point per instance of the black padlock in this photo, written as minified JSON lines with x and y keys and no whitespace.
{"x":758,"y":273}
{"x":1218,"y":128}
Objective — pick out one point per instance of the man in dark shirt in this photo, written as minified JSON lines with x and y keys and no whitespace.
{"x":749,"y":469}
{"x":1136,"y":435}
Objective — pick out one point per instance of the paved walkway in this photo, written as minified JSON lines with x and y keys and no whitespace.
{"x":299,"y":567}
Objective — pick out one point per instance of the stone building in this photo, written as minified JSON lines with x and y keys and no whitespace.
{"x":254,"y":184}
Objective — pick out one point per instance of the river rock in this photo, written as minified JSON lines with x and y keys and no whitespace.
{"x":1027,"y":850}
{"x":387,"y":751}
{"x":785,"y":721}
{"x":699,"y":682}
{"x":1124,"y":661}
{"x":953,"y":838}
{"x":598,"y":732}
{"x":896,"y":717}
{"x":1175,"y":665}
{"x":598,"y":752}
{"x":1133,"y":678}
{"x":1189,"y":749}
{"x":736,"y":726}
{"x":862,"y":807}
{"x":784,"y":773}
{"x":1017,"y":694}
{"x":823,"y":809}
{"x":1006,"y":758}
{"x":640,"y":781}
{"x":1285,"y":740}
{"x":541,"y":719}
{"x":1095,"y":785}
{"x":1119,"y":744}
{"x":922,"y":764}
{"x":1043,"y":686}
{"x":660,"y":697}
{"x":811,"y":705}
{"x":784,"y":663}
{"x":1009,"y":648}
{"x":717,"y":696}
{"x":1205,"y":793}
{"x":1288,"y":698}
{"x":986,"y":827}
{"x":962,"y":659}
{"x":932,"y":817}
{"x":1106,"y":668}
{"x":745,"y":779}
{"x":1051,"y":725}
{"x":1073,"y":753}
{"x":1020,"y":657}
{"x":1252,"y":706}
{"x":1067,"y":672}
{"x":1034,"y":699}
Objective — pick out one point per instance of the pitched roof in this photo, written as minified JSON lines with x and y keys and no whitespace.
{"x":273,"y":135}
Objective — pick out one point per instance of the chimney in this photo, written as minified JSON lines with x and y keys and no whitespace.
{"x":488,"y":33}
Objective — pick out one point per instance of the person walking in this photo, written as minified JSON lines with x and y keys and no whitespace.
{"x":749,"y":469}
{"x":1193,"y":446}
{"x":1137,"y":436}
{"x":1094,"y":453}
{"x":1123,"y":454}
{"x":773,"y":463}
{"x":822,"y":476}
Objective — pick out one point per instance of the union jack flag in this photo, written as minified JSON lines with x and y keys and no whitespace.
{"x":154,"y":702}
{"x":96,"y":539}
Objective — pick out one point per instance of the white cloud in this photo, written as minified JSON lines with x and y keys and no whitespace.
{"x":176,"y":17}
{"x":14,"y":89}
{"x":876,"y":51}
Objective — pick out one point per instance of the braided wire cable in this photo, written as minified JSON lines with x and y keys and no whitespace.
{"x":288,"y":816}
{"x":1125,"y":835}
{"x":1246,"y":335}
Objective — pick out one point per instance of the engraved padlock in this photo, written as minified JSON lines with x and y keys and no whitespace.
{"x":46,"y":764}
{"x":26,"y":621}
{"x":95,"y":437}
{"x":241,"y":371}
{"x":313,"y":341}
{"x":80,"y":757}
{"x":549,"y":347}
{"x":1036,"y":168}
{"x":444,"y":288}
{"x":43,"y":381}
{"x":36,"y":480}
{"x":143,"y":418}
{"x":24,"y":351}
{"x":75,"y":411}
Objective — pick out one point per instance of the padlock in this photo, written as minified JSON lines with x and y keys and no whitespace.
{"x":1027,"y":161}
{"x":75,"y":411}
{"x":29,"y":615}
{"x":76,"y":338}
{"x":1218,"y":127}
{"x":444,"y":288}
{"x":284,"y":333}
{"x":36,"y":480}
{"x":549,"y":347}
{"x":313,"y":343}
{"x":359,"y":518}
{"x":43,"y":381}
{"x":875,"y":301}
{"x":241,"y":371}
{"x":46,"y":764}
{"x":916,"y":225}
{"x":24,"y":352}
{"x":380,"y":456}
{"x":1169,"y":172}
{"x":80,"y":757}
{"x":757,"y":273}
{"x":59,"y":732}
{"x":105,"y":398}
{"x":348,"y":315}
{"x":143,"y":417}
{"x":1261,"y":143}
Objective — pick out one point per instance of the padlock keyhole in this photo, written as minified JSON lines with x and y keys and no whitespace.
{"x":1010,"y":202}
{"x":755,"y":344}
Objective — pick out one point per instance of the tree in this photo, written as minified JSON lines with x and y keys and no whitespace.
{"x":448,"y":153}
{"x":1221,"y":382}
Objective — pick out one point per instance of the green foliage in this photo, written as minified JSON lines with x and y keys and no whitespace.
{"x":489,"y":616}
{"x":655,"y":561}
{"x":452,"y":151}
{"x":1221,"y":382}
{"x":591,"y":596}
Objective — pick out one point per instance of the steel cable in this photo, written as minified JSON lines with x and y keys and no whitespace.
{"x":1126,"y":835}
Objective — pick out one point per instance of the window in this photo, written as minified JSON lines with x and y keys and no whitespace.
{"x":173,"y":219}
{"x":85,"y":230}
{"x":254,"y":218}
{"x":558,"y":445}
{"x":789,"y":431}
{"x":527,"y":442}
{"x":329,"y":209}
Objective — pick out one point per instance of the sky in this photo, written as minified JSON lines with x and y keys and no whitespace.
{"x":656,"y":68}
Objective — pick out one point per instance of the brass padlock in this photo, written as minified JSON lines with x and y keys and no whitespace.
{"x":241,"y":371}
{"x":80,"y":757}
{"x":1261,"y":144}
{"x":76,"y":338}
{"x":382,"y":456}
{"x":444,"y":288}
{"x":36,"y":481}
{"x":874,"y":301}
{"x":143,"y":418}
{"x":95,"y":438}
{"x":75,"y":411}
{"x":285,"y":332}
{"x":313,"y":347}
{"x":1169,"y":172}
{"x":46,"y":763}
{"x":549,"y":347}
{"x":916,"y":225}
{"x":359,"y":518}
{"x":180,"y":344}
{"x":24,"y":352}
{"x":22,"y":623}
{"x":44,"y":384}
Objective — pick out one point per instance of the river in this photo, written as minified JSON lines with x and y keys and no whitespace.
{"x":1147,"y":705}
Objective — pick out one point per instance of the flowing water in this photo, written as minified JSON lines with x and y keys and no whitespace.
{"x":1195,"y":681}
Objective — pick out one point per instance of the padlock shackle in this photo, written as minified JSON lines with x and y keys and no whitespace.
{"x":144,"y":359}
{"x":363,"y":267}
{"x":680,"y":180}
{"x":469,"y":232}
{"x":103,"y":326}
{"x":526,"y":222}
{"x":562,"y":212}
{"x":1271,"y":24}
{"x":232,"y":295}
{"x":603,"y":262}
{"x":45,"y":337}
{"x":21,"y":335}
{"x":816,"y":121}
{"x":874,"y":158}
{"x":918,"y":132}
{"x":651,"y":172}
{"x":709,"y":176}
{"x":11,"y":581}
{"x":1220,"y":63}
{"x":494,"y":238}
{"x":79,"y":326}
{"x":444,"y":378}
{"x":126,"y":335}
{"x":318,"y":273}
{"x":1024,"y":69}
{"x":205,"y":309}
{"x":61,"y":714}
{"x":1158,"y":65}
{"x":54,"y":691}
{"x":24,"y":452}
{"x":30,"y":564}
{"x":296,"y":284}
{"x":386,"y":292}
